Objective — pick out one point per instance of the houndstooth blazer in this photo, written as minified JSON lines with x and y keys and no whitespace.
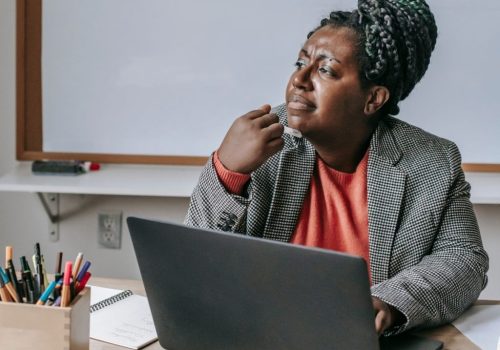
{"x":426,"y":254}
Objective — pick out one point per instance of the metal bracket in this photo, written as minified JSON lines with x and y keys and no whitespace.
{"x":50,"y":202}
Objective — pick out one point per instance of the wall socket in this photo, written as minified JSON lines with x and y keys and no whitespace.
{"x":109,"y":230}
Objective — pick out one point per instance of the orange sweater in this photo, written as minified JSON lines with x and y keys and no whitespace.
{"x":335,"y":212}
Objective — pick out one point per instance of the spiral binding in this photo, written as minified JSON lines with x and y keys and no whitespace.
{"x":110,"y":301}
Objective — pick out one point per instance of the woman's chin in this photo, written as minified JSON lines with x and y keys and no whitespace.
{"x":294,"y":121}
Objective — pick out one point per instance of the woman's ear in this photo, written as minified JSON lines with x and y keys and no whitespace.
{"x":376,"y":98}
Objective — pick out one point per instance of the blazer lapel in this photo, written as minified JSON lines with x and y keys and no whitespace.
{"x":292,"y":184}
{"x":386,"y":186}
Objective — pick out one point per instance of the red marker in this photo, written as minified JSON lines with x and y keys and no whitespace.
{"x":66,"y":292}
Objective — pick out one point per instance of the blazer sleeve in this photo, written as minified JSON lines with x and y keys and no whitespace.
{"x":213,"y":207}
{"x":449,"y":279}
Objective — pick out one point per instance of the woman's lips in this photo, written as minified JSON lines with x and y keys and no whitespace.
{"x":300,"y":103}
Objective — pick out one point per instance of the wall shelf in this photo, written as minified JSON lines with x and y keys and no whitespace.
{"x":167,"y":181}
{"x":115,"y":179}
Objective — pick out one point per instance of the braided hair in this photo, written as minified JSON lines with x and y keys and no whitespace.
{"x":396,"y":39}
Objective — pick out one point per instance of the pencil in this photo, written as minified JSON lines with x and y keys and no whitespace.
{"x":8,"y":255}
{"x":76,"y":267}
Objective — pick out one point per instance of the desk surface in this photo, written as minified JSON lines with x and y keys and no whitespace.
{"x":448,"y":334}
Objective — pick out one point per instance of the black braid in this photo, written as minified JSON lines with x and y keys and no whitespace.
{"x":396,"y":39}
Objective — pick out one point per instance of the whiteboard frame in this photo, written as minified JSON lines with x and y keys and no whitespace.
{"x":29,"y":140}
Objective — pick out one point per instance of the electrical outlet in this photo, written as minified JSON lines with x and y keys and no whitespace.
{"x":109,"y":232}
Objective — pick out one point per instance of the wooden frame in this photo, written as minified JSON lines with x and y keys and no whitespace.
{"x":29,"y":143}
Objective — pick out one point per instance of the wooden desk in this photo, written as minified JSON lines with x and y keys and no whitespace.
{"x":449,"y":335}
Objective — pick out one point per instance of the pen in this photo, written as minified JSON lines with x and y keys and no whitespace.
{"x":65,"y":294}
{"x":76,"y":266}
{"x":9,"y":286}
{"x":46,"y":293}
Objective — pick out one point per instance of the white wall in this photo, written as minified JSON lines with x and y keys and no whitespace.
{"x":23,"y":221}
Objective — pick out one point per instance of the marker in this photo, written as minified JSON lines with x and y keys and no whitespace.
{"x":9,"y":286}
{"x":8,"y":255}
{"x":76,"y":266}
{"x":83,"y":282}
{"x":44,"y":272}
{"x":82,"y":272}
{"x":28,"y":280}
{"x":90,"y":166}
{"x":293,"y":132}
{"x":57,"y":302}
{"x":46,"y":293}
{"x":66,"y":293}
{"x":58,"y":265}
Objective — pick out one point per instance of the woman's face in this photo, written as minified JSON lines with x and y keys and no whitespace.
{"x":325,"y":100}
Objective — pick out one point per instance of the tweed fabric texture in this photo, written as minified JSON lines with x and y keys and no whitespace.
{"x":426,"y":254}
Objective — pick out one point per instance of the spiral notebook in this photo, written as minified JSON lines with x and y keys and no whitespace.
{"x":120,"y":317}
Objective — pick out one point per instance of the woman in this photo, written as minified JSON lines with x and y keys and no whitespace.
{"x":360,"y":180}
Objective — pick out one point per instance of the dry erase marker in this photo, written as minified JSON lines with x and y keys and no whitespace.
{"x":9,"y":286}
{"x":293,"y":132}
{"x":65,"y":295}
{"x":76,"y":266}
{"x":46,"y":293}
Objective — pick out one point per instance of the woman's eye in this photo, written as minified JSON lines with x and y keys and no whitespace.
{"x":327,"y":70}
{"x":300,"y":64}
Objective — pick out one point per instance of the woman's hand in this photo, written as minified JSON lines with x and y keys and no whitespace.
{"x":386,"y":316}
{"x":251,"y":140}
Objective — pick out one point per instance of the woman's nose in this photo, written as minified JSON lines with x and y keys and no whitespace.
{"x":302,"y":78}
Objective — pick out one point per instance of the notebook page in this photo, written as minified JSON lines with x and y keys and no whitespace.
{"x":127,"y":323}
{"x":98,"y":294}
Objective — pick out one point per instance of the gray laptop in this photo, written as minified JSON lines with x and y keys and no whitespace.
{"x":214,"y":290}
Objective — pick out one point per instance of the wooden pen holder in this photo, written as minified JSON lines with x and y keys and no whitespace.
{"x":27,"y":326}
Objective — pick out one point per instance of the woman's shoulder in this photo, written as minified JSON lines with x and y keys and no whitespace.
{"x":420,"y":149}
{"x":411,"y":138}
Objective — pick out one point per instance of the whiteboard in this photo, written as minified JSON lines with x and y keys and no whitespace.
{"x":162,"y":77}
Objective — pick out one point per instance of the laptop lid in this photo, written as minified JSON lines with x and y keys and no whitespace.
{"x":216,"y":290}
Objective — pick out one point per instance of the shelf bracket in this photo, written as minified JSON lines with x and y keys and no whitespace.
{"x":49,"y":204}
